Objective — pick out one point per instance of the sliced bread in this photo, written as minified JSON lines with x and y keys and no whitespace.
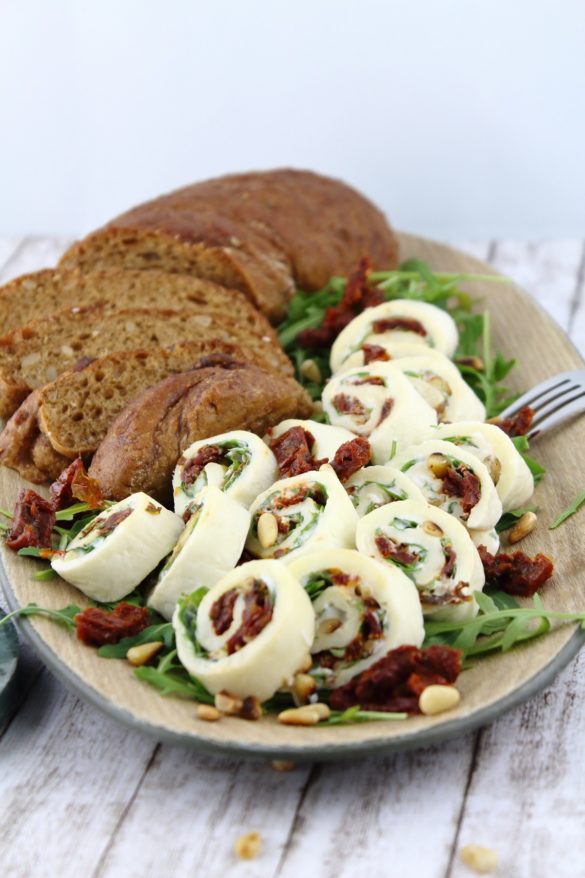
{"x":42,"y":293}
{"x":24,"y":448}
{"x":39,"y":352}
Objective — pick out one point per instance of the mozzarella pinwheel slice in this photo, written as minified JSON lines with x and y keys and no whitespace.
{"x":312,"y":511}
{"x":508,"y":469}
{"x":112,"y":554}
{"x":439,"y":382}
{"x":239,"y":463}
{"x":248,"y":634}
{"x":209,"y":547}
{"x":432,"y":548}
{"x":400,"y":320}
{"x":327,"y":439}
{"x":388,"y":350}
{"x":489,"y":539}
{"x":362,"y":609}
{"x":374,"y":486}
{"x":453,"y":479}
{"x":379,"y":402}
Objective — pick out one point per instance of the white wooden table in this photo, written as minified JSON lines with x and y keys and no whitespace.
{"x":83,"y":797}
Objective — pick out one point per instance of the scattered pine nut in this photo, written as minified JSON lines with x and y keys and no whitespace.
{"x":311,"y":371}
{"x":303,"y":686}
{"x":141,"y":654}
{"x":438,"y":699}
{"x":522,"y":528}
{"x":282,"y":765}
{"x":228,"y":704}
{"x":307,"y":715}
{"x":207,"y":712}
{"x":248,"y":846}
{"x":482,"y":860}
{"x":267,"y":530}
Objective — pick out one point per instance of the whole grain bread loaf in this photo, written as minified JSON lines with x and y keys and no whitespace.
{"x":25,"y":298}
{"x":145,"y":441}
{"x":24,"y":448}
{"x":263,"y":233}
{"x":39,"y":352}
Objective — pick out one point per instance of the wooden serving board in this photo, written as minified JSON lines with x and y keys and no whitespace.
{"x":521,"y":329}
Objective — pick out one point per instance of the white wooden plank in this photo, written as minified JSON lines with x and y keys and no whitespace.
{"x":67,"y":774}
{"x":526,"y":796}
{"x":31,"y":254}
{"x":577,"y":318}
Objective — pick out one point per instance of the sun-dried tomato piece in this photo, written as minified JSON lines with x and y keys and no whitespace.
{"x":75,"y":484}
{"x":460,"y":482}
{"x":350,"y":457}
{"x":385,"y":410}
{"x":193,"y":466}
{"x":33,"y":522}
{"x":519,"y":424}
{"x":293,"y":452}
{"x":395,"y":682}
{"x":373,"y":352}
{"x":375,"y":380}
{"x":96,"y":627}
{"x":350,"y":405}
{"x":450,"y":559}
{"x":222,"y":611}
{"x":258,"y":609}
{"x":109,"y":524}
{"x":399,"y":552}
{"x":516,"y":573}
{"x":407,"y":324}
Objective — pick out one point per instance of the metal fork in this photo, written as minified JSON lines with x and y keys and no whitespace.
{"x":553,"y":401}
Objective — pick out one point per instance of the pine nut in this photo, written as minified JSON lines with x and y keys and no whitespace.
{"x":495,"y":469}
{"x":311,"y":371}
{"x":481,"y":860}
{"x":522,"y":528}
{"x":438,"y":699}
{"x":431,"y":528}
{"x":140,"y":655}
{"x":328,"y":626}
{"x":267,"y":530}
{"x":228,"y":704}
{"x":474,"y":362}
{"x":248,"y":846}
{"x":307,"y":715}
{"x":438,"y":464}
{"x":282,"y":765}
{"x":303,"y":686}
{"x":251,"y":708}
{"x":207,"y":712}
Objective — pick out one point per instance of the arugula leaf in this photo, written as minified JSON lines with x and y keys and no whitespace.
{"x":356,"y":715}
{"x":174,"y":683}
{"x":65,"y":617}
{"x":162,"y":632}
{"x":510,"y":518}
{"x":522,"y":445}
{"x":571,"y":509}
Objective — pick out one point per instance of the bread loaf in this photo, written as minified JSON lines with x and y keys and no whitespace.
{"x":263,"y":233}
{"x":145,"y":441}
{"x":39,"y":352}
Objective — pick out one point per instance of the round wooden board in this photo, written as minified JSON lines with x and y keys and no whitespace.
{"x":495,"y":684}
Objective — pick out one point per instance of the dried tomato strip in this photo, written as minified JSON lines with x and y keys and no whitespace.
{"x":96,"y":627}
{"x":350,"y":457}
{"x":374,"y":352}
{"x":460,"y":482}
{"x":258,"y":610}
{"x":75,"y":484}
{"x":292,"y":451}
{"x":222,"y":611}
{"x":516,"y":573}
{"x":193,"y":466}
{"x":33,"y":522}
{"x":519,"y":424}
{"x":399,"y":552}
{"x":407,"y":324}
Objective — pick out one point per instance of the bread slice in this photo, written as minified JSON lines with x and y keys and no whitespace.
{"x":263,"y":233}
{"x":24,"y":448}
{"x":37,"y":353}
{"x":44,"y":292}
{"x":76,"y":410}
{"x":145,"y":441}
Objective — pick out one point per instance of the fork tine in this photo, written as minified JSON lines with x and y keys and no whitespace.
{"x":558,"y":416}
{"x":550,"y":403}
{"x":532,"y":396}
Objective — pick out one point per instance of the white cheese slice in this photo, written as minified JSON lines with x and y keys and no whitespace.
{"x":327,"y":438}
{"x":374,"y":486}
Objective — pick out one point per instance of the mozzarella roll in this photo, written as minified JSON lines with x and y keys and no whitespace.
{"x":509,"y":471}
{"x":362,"y":610}
{"x":432,"y":548}
{"x":439,"y":382}
{"x":327,"y":439}
{"x":388,"y":350}
{"x":312,"y":511}
{"x":209,"y":547}
{"x":453,"y":479}
{"x":374,"y":486}
{"x":238,"y":463}
{"x":249,"y":634}
{"x":379,"y":402}
{"x":489,"y":539}
{"x":112,"y":554}
{"x":400,"y":320}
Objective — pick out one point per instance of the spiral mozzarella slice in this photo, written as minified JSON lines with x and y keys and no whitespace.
{"x":453,"y":479}
{"x":432,"y":548}
{"x":400,"y":320}
{"x":327,"y":438}
{"x":362,"y":609}
{"x":513,"y":479}
{"x":209,"y":547}
{"x":377,"y":401}
{"x":374,"y":486}
{"x":247,"y":635}
{"x":238,"y":463}
{"x":388,"y":351}
{"x":439,"y":382}
{"x":115,"y":551}
{"x":312,"y":512}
